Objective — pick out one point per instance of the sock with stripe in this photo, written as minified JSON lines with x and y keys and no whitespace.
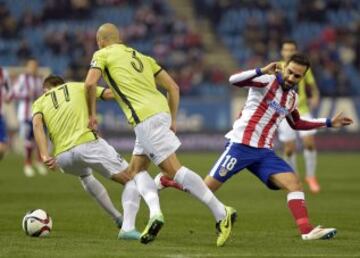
{"x":296,"y":204}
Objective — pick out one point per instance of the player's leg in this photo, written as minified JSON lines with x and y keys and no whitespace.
{"x":288,"y":137}
{"x":310,"y":158}
{"x":26,"y":134}
{"x":97,"y":190}
{"x":3,"y":148}
{"x":139,"y":165}
{"x":69,"y":163}
{"x":103,"y":158}
{"x":30,"y":139}
{"x":194,"y":184}
{"x":147,"y":188}
{"x":290,"y":153}
{"x":160,"y":144}
{"x":290,"y":182}
{"x":130,"y":200}
{"x":226,"y":166}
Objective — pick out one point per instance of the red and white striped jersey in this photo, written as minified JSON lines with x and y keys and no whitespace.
{"x":26,"y":90}
{"x":266,"y":106}
{"x":5,"y":87}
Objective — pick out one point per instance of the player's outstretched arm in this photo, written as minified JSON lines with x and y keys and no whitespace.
{"x":91,"y":81}
{"x":164,"y":80}
{"x":298,"y":123}
{"x":41,"y":141}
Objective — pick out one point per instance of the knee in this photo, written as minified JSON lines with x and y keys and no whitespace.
{"x":310,"y":146}
{"x":289,"y":150}
{"x":309,"y":143}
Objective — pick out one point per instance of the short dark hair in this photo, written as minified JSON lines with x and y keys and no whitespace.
{"x":300,"y":59}
{"x":52,"y":81}
{"x":289,"y":41}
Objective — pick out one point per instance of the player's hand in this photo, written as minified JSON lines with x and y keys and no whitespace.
{"x":93,"y":123}
{"x":271,"y":68}
{"x":50,"y":162}
{"x":339,"y":120}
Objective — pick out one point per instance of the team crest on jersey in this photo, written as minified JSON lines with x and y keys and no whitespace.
{"x":223,"y":171}
{"x":93,"y":63}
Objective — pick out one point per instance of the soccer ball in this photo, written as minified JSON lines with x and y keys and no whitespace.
{"x":37,"y":223}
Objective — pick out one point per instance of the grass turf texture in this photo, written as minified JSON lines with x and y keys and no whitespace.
{"x":264,"y":229}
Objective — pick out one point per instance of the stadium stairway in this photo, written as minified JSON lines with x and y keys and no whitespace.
{"x":217,"y":53}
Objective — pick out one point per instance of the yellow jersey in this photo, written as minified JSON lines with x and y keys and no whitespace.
{"x":131,"y":77}
{"x":65,"y":115}
{"x":308,"y":83}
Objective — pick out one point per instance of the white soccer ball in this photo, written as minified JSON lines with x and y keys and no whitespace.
{"x":37,"y":223}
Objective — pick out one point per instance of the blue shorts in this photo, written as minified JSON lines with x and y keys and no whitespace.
{"x":3,"y":136}
{"x":262,"y":162}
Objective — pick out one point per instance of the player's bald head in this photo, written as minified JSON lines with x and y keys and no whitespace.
{"x":107,"y":34}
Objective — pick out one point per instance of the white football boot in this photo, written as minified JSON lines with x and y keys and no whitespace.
{"x":319,"y":233}
{"x":41,"y":168}
{"x":29,"y":171}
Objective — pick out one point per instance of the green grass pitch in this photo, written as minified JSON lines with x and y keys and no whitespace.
{"x":264,"y":227}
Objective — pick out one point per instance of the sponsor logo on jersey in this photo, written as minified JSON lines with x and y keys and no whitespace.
{"x":278,"y":108}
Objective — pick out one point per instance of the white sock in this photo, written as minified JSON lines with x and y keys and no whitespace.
{"x":98,"y":191}
{"x":310,"y":157}
{"x":147,"y":189}
{"x":196,"y":187}
{"x":130,"y":200}
{"x":291,"y":160}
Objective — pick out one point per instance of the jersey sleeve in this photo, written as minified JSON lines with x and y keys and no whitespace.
{"x":250,"y":78}
{"x":155,"y":67}
{"x":297,"y":122}
{"x":98,"y":61}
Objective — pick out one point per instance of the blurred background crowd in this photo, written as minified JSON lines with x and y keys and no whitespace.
{"x":61,"y":35}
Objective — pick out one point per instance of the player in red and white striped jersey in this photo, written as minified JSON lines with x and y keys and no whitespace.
{"x":271,"y":99}
{"x":5,"y":94}
{"x":26,"y":90}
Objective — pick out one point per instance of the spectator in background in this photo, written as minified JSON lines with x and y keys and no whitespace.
{"x":26,"y":90}
{"x":24,"y":52}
